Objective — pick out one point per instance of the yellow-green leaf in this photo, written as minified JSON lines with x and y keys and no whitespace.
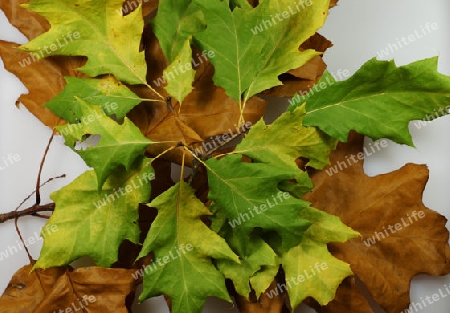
{"x":180,"y":74}
{"x":183,"y":248}
{"x":108,"y":39}
{"x":92,"y":223}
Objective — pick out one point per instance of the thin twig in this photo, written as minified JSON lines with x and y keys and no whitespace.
{"x":31,"y":194}
{"x":50,"y":207}
{"x":38,"y":181}
{"x":21,"y":239}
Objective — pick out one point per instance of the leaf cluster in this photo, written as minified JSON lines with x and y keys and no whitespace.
{"x":253,"y":207}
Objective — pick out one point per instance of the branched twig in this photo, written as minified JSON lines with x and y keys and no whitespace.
{"x":34,"y":210}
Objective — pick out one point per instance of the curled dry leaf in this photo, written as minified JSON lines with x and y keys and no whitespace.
{"x":90,"y":290}
{"x":401,"y":238}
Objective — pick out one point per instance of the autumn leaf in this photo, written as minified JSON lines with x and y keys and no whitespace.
{"x":401,"y":238}
{"x":249,"y":197}
{"x":91,"y":289}
{"x":251,"y":59}
{"x":264,"y":304}
{"x":183,"y":268}
{"x":379,"y":100}
{"x":180,"y":74}
{"x":309,"y":265}
{"x":120,"y":144}
{"x":303,"y":78}
{"x":285,"y":140}
{"x":198,"y":118}
{"x":83,"y":29}
{"x":261,"y":258}
{"x":29,"y":23}
{"x":44,"y":79}
{"x":95,"y":223}
{"x":175,"y":22}
{"x":241,"y":224}
{"x":348,"y":299}
{"x":108,"y":93}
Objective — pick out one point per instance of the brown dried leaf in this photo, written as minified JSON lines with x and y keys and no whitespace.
{"x":29,"y":23}
{"x":96,"y":289}
{"x":380,"y":204}
{"x":206,"y":112}
{"x":44,"y":78}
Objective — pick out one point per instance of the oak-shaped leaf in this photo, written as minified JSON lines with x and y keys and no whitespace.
{"x":379,"y":100}
{"x":119,"y":145}
{"x":93,"y":223}
{"x":183,"y":248}
{"x":108,"y":39}
{"x":62,"y":289}
{"x":401,"y":238}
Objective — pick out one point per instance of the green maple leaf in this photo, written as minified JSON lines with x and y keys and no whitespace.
{"x":262,"y":279}
{"x":109,"y":40}
{"x":114,"y":98}
{"x":179,"y":77}
{"x":379,"y":100}
{"x":119,"y":144}
{"x":184,"y":248}
{"x":261,"y":256}
{"x":94,"y":224}
{"x":251,"y":59}
{"x":310,"y":269}
{"x":285,"y":140}
{"x":175,"y":22}
{"x":249,"y":197}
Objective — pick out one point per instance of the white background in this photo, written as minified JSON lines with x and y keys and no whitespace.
{"x":358,"y":28}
